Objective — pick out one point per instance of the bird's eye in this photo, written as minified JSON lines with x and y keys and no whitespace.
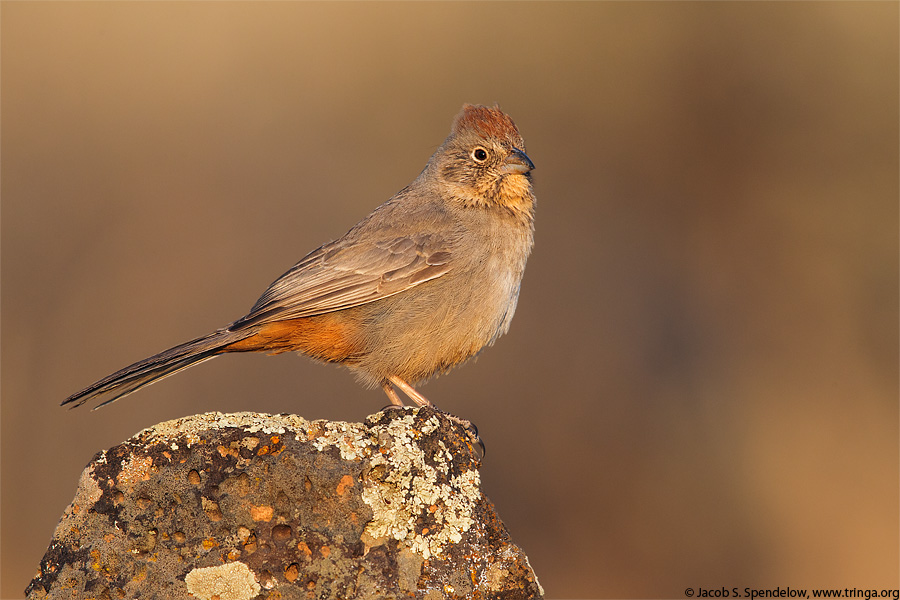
{"x":479,"y":154}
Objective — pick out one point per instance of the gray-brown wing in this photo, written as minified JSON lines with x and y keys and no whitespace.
{"x":335,"y":277}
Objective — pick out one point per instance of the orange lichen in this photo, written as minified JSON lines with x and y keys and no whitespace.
{"x":223,"y":451}
{"x":261,"y":513}
{"x":346,"y":482}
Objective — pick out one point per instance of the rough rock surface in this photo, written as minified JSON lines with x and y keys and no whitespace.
{"x":248,"y":505}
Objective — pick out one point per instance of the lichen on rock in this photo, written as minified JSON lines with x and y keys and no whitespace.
{"x":231,"y":581}
{"x":414,"y":487}
{"x":283,"y":507}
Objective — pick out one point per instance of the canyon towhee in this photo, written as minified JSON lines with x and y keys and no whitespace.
{"x":419,"y":286}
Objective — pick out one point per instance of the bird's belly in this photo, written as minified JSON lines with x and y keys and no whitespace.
{"x":435,"y":326}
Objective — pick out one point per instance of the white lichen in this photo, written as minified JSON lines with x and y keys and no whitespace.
{"x":410,"y":490}
{"x":191,"y":427}
{"x":231,"y":581}
{"x":350,"y":438}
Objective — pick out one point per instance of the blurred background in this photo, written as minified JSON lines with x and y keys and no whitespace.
{"x":700,"y":387}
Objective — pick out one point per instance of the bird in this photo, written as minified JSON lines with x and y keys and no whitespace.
{"x":422,"y":284}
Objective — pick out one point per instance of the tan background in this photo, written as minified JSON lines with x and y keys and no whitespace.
{"x":700,"y":386}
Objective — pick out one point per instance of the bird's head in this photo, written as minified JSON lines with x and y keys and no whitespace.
{"x":483,"y":162}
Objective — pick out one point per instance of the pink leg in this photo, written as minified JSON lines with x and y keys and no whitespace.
{"x":409,"y":391}
{"x":391,"y":393}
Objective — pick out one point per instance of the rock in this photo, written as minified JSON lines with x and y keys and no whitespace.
{"x":248,"y":505}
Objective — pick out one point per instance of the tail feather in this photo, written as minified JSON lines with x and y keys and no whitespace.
{"x":150,"y":370}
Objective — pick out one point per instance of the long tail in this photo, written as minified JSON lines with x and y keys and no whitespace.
{"x":142,"y":373}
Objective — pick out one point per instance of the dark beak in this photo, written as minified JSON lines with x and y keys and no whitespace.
{"x":517,"y":162}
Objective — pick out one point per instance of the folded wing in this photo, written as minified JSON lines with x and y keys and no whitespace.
{"x":336,"y":277}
